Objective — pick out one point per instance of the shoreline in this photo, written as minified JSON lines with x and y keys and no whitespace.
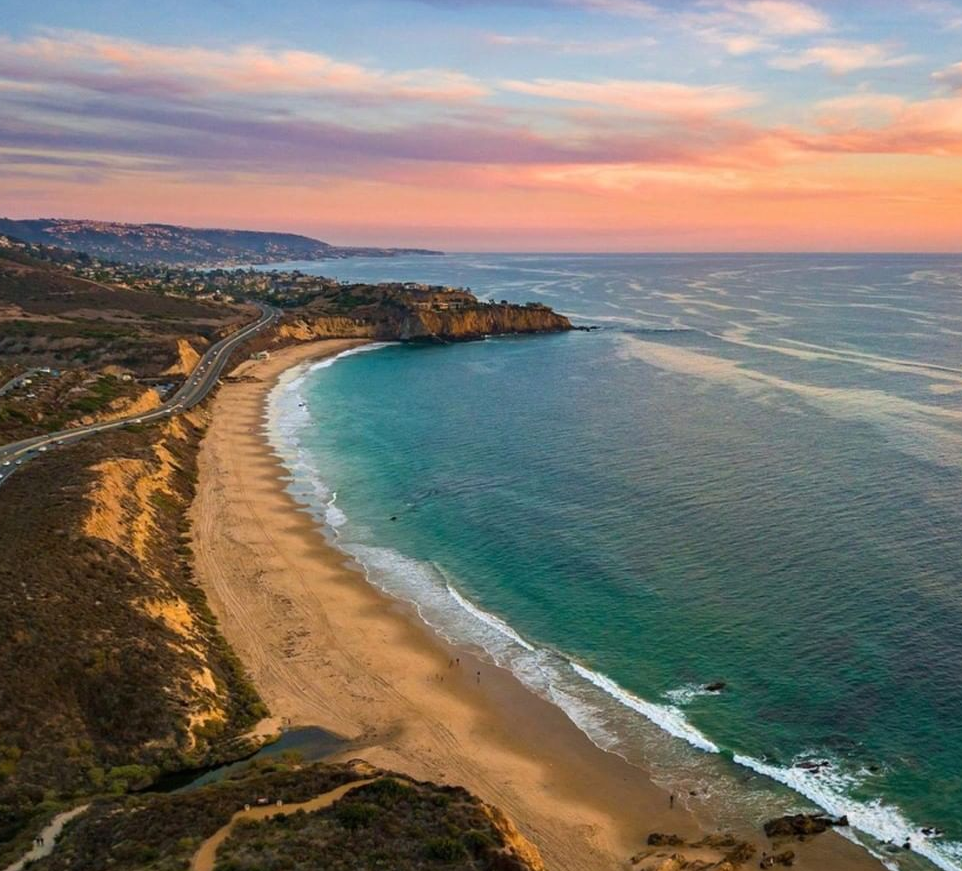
{"x":327,"y":648}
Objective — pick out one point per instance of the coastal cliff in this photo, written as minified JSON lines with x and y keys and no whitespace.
{"x":307,"y":329}
{"x":413,"y":325}
{"x":477,"y":322}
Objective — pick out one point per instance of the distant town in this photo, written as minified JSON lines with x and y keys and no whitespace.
{"x":282,"y":288}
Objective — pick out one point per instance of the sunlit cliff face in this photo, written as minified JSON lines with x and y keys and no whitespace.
{"x":549,"y":124}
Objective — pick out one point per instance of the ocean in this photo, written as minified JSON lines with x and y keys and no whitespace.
{"x":752,"y":474}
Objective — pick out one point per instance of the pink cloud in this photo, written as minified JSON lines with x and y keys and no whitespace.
{"x":782,"y":16}
{"x":243,"y":69}
{"x":645,"y":97}
{"x":843,"y":57}
{"x":927,"y":127}
{"x":758,"y":25}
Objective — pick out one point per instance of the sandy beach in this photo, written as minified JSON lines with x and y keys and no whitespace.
{"x":325,"y":648}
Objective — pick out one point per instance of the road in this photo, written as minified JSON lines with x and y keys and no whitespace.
{"x":17,"y":380}
{"x":195,"y":389}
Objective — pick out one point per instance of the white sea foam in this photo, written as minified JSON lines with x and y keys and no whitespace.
{"x":350,"y":352}
{"x":830,"y":790}
{"x":485,"y":617}
{"x":687,"y":694}
{"x":668,"y":718}
{"x":333,"y":515}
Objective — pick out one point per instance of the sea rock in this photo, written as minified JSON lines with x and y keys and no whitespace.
{"x":801,"y":825}
{"x":657,"y":839}
{"x":715,"y":687}
{"x":741,"y":853}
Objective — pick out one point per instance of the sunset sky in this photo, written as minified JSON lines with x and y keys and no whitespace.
{"x":579,"y":125}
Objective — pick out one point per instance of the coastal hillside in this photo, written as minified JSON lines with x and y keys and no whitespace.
{"x":169,"y":244}
{"x":323,"y":816}
{"x":416,"y":326}
{"x":73,"y":349}
{"x":114,"y":668}
{"x":412,"y":313}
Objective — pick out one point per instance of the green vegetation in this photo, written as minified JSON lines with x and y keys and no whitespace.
{"x":54,"y":318}
{"x":96,"y":692}
{"x":162,"y":832}
{"x":393,"y":823}
{"x":100,"y":394}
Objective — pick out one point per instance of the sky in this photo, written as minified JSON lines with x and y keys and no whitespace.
{"x":494,"y":125}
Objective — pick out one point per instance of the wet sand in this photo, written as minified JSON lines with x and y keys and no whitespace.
{"x":326,"y":648}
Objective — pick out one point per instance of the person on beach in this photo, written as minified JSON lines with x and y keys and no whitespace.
{"x":479,"y":677}
{"x":671,"y":800}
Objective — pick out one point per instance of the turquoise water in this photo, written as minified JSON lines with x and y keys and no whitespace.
{"x":753,"y":474}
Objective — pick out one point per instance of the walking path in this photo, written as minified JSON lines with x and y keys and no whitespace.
{"x":48,"y":838}
{"x":207,"y":853}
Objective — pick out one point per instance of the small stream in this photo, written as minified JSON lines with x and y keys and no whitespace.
{"x":311,"y":743}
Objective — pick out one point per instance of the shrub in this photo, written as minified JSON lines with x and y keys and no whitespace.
{"x":477,"y":842}
{"x":355,"y":815}
{"x":444,"y":849}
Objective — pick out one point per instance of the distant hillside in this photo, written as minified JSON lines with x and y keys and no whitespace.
{"x":165,"y":243}
{"x":100,"y":338}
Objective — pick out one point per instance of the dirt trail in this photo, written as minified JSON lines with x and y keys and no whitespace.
{"x":48,"y":838}
{"x":205,"y":857}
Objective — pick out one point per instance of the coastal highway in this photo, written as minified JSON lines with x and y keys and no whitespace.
{"x":195,"y":389}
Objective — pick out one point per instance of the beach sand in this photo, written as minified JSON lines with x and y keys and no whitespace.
{"x":326,"y":648}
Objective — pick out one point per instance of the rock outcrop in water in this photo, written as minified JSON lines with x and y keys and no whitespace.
{"x":801,"y":825}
